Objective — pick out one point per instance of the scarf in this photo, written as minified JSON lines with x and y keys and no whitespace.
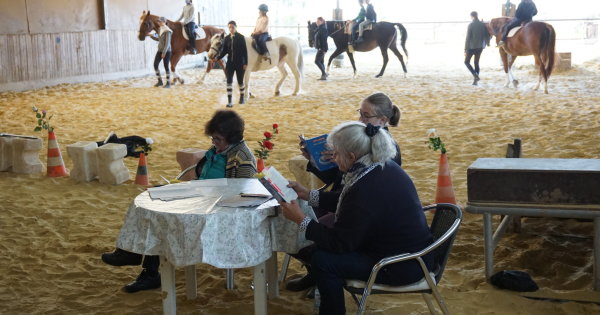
{"x":361,"y":167}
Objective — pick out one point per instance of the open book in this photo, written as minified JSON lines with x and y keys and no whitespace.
{"x":276,"y":184}
{"x":314,"y":147}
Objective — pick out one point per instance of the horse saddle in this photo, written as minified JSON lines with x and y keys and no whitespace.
{"x":350,"y":23}
{"x":254,"y":45}
{"x":200,"y":33}
{"x":514,"y":31}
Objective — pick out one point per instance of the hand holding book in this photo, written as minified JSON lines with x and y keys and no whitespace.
{"x":316,"y":151}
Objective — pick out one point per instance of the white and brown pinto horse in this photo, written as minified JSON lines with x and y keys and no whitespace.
{"x":149,"y":23}
{"x":283,"y":50}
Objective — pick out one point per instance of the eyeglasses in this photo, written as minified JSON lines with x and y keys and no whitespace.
{"x":217,"y":139}
{"x":365,"y":115}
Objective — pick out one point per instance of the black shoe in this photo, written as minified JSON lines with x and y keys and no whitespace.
{"x":242,"y":100}
{"x":301,"y":284}
{"x":143,"y":282}
{"x":122,"y":258}
{"x":475,"y":80}
{"x":159,"y":83}
{"x":168,"y":85}
{"x":323,"y":78}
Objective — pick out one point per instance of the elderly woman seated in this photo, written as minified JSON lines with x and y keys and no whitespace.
{"x":228,"y":157}
{"x":378,"y":214}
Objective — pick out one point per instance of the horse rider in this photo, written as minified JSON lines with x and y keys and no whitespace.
{"x":525,"y":12}
{"x":234,"y":45}
{"x":164,"y":51}
{"x":321,"y":46}
{"x":477,"y":37}
{"x":370,"y":18}
{"x":189,"y":21}
{"x":357,"y":20}
{"x":261,"y":31}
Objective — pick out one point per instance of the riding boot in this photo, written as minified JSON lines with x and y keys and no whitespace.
{"x":475,"y":79}
{"x":159,"y":83}
{"x":168,"y":85}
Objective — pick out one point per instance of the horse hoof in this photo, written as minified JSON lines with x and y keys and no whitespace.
{"x":277,"y":93}
{"x":379,"y":75}
{"x":516,"y":83}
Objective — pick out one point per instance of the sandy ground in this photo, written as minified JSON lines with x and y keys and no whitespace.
{"x":53,"y":230}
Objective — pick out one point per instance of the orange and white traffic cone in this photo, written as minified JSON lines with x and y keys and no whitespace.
{"x":444,"y":192}
{"x":141,"y":177}
{"x":56,"y":165}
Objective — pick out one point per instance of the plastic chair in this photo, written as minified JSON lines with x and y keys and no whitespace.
{"x":230,"y":280}
{"x":444,"y":227}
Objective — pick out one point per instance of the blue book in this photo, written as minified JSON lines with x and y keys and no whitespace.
{"x":314,"y":147}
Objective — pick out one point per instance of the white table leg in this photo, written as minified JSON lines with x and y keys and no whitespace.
{"x":167,"y":277}
{"x":596,"y":253}
{"x":272,"y":283}
{"x":260,"y":290}
{"x":488,"y":245}
{"x":190,"y":282}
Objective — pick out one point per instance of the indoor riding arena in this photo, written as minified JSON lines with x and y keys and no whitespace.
{"x":81,"y":62}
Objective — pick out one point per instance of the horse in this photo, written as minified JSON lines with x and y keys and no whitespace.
{"x":283,"y":50}
{"x":383,"y":35}
{"x":149,"y":22}
{"x":535,"y":38}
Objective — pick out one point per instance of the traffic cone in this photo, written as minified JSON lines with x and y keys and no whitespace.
{"x":56,"y":165}
{"x":141,"y":177}
{"x":444,"y":192}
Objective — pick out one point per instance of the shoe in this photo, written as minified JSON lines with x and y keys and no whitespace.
{"x":301,"y":284}
{"x":475,"y":80}
{"x":229,"y":105}
{"x":122,"y":258}
{"x":159,"y":83}
{"x":323,"y":77}
{"x":143,"y":282}
{"x":501,"y":43}
{"x":242,"y":100}
{"x":168,"y":85}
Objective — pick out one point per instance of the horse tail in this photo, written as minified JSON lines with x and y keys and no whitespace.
{"x":549,"y":40}
{"x":403,"y":36}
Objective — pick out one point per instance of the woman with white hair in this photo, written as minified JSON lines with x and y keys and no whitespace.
{"x":378,"y":214}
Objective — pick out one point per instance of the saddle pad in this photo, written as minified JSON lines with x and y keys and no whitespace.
{"x":513,"y":31}
{"x":200,"y":33}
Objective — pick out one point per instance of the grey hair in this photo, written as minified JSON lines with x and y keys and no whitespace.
{"x":350,"y":137}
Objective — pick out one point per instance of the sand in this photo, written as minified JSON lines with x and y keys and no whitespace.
{"x":53,"y":230}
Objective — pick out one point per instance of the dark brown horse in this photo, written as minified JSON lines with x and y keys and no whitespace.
{"x":535,"y":38}
{"x":149,"y":22}
{"x":383,"y":35}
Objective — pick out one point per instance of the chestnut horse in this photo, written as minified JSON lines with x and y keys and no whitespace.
{"x":383,"y":35}
{"x":535,"y":38}
{"x":149,"y":23}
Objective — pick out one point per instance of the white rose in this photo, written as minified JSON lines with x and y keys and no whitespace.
{"x":149,"y":141}
{"x":431,"y":133}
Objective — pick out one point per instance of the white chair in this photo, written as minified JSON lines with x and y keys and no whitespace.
{"x":444,"y":227}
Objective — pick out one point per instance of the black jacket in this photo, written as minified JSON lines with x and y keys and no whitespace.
{"x":235,"y":47}
{"x":526,"y":11}
{"x":371,"y":15}
{"x":321,"y":37}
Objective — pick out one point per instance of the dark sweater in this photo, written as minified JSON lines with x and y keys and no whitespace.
{"x":526,"y":11}
{"x":381,"y":215}
{"x":235,"y":47}
{"x":321,"y":37}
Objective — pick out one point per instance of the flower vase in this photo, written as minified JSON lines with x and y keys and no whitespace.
{"x":141,"y":177}
{"x":260,"y":165}
{"x":56,"y":165}
{"x":444,"y":192}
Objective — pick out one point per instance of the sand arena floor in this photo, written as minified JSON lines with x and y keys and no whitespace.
{"x":53,"y":230}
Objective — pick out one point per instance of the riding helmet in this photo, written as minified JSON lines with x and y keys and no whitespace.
{"x":263,"y":7}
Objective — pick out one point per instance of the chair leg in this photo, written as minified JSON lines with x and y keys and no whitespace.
{"x":284,"y":268}
{"x":429,"y":302}
{"x":230,"y":282}
{"x":440,"y":300}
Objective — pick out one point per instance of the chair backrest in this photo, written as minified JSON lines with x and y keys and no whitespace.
{"x":446,"y":217}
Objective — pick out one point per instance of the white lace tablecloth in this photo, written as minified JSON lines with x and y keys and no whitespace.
{"x":192,"y":230}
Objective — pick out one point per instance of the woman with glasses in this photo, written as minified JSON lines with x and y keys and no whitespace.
{"x":228,"y":157}
{"x":377,"y":109}
{"x":378,"y":214}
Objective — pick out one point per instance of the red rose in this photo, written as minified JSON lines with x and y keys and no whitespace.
{"x":268,"y":144}
{"x":268,"y":135}
{"x":275,"y":126}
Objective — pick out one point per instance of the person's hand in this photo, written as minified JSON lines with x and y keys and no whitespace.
{"x":302,"y":191}
{"x":163,"y":56}
{"x":244,"y":67}
{"x":292,"y":211}
{"x":327,"y":155}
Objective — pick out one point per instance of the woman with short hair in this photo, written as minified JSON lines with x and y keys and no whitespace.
{"x":378,"y":214}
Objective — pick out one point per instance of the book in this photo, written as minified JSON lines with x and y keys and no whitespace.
{"x":314,"y":147}
{"x":276,"y":184}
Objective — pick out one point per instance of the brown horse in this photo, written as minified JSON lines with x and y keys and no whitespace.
{"x":535,"y":38}
{"x":383,"y":35}
{"x":149,"y":22}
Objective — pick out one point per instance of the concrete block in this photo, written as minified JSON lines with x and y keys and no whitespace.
{"x":85,"y":161}
{"x":26,"y":155}
{"x":6,"y":153}
{"x":111,"y":168}
{"x":188,"y":157}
